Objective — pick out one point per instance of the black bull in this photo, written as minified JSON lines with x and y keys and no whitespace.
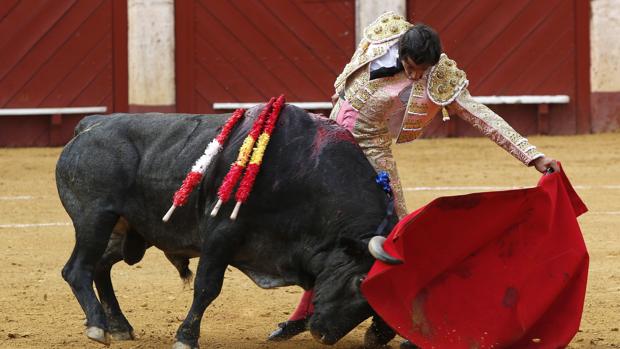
{"x":311,"y":212}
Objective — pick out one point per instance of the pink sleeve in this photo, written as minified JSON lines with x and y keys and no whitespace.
{"x":494,"y":127}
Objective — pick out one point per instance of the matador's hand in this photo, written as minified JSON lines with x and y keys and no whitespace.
{"x":544,"y":163}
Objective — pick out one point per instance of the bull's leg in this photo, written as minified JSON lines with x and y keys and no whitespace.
{"x":119,"y":327}
{"x":207,"y":286}
{"x":92,"y":234}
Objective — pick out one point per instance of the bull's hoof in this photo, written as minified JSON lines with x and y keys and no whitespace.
{"x":288,"y":329}
{"x":181,"y":345}
{"x":372,"y":341}
{"x":98,"y":335}
{"x":408,"y":345}
{"x":378,"y":335}
{"x":123,"y":336}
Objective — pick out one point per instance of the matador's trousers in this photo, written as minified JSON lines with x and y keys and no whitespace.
{"x":373,"y":137}
{"x":383,"y":160}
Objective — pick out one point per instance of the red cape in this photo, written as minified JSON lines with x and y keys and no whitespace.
{"x":487,"y":270}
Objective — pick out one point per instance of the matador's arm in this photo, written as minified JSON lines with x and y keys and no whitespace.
{"x":447,"y":87}
{"x":494,"y":127}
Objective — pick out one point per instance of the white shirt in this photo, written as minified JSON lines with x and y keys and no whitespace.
{"x":388,"y":60}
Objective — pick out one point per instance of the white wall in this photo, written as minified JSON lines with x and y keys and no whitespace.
{"x":366,"y":11}
{"x":151,"y":45}
{"x":151,"y":52}
{"x":605,"y":45}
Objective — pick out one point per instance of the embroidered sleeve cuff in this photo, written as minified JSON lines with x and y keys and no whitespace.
{"x":535,"y":155}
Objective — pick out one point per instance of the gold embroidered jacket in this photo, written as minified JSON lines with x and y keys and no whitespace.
{"x":443,"y":87}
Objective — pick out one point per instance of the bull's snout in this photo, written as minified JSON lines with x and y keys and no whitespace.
{"x":322,"y":337}
{"x":320,"y":332}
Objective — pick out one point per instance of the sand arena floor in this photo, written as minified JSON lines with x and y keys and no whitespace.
{"x":38,"y":310}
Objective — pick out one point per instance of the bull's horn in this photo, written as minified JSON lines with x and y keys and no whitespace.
{"x":375,"y":246}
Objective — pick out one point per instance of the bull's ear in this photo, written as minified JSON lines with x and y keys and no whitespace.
{"x":353,"y":247}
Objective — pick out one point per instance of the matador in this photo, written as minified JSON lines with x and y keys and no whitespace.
{"x":397,"y":82}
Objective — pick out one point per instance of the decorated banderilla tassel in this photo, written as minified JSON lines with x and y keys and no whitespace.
{"x":200,"y":166}
{"x":237,"y":167}
{"x":446,"y":114}
{"x":257,"y":157}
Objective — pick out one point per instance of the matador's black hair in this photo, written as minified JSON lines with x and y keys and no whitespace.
{"x":420,"y":43}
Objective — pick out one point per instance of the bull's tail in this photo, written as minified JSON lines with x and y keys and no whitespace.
{"x":187,"y":276}
{"x":181,"y":263}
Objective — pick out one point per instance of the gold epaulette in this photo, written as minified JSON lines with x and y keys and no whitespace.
{"x":445,"y":81}
{"x":381,"y":34}
{"x":386,"y":27}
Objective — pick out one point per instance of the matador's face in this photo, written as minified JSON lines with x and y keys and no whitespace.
{"x":413,"y":70}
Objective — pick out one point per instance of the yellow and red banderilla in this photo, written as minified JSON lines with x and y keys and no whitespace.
{"x":254,"y":145}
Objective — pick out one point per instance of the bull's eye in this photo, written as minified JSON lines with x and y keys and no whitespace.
{"x":356,"y":282}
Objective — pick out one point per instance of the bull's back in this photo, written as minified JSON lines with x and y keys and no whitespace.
{"x":152,"y":140}
{"x":112,"y":156}
{"x":148,"y":132}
